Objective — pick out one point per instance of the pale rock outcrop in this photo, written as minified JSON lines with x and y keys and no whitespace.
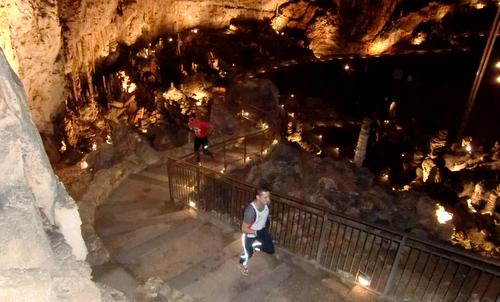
{"x":42,"y":246}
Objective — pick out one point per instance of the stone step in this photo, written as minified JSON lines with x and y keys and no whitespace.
{"x":227,"y":282}
{"x":149,"y":179}
{"x":208,"y":264}
{"x":203,"y":241}
{"x":115,"y":276}
{"x":136,"y":188}
{"x":264,"y":286}
{"x":150,"y":246}
{"x":126,"y":227}
{"x":111,"y":214}
{"x":120,"y":243}
{"x":156,"y":172}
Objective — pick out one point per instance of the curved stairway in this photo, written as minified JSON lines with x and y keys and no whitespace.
{"x":190,"y":256}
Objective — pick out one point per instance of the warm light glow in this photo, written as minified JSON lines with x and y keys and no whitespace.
{"x":471,"y":207}
{"x":479,"y":5}
{"x":94,"y":146}
{"x":144,"y":130}
{"x":192,"y":204}
{"x":346,"y":67}
{"x":126,"y":84}
{"x":292,"y":95}
{"x":63,"y":147}
{"x":497,"y":65}
{"x":84,"y":165}
{"x":275,"y":141}
{"x":198,"y":103}
{"x":194,"y":30}
{"x":248,"y":158}
{"x":232,"y":28}
{"x":170,"y":39}
{"x":497,"y":79}
{"x":109,"y":141}
{"x":265,"y":151}
{"x":364,"y":280}
{"x":468,"y":148}
{"x":418,"y":39}
{"x":223,"y":170}
{"x":320,"y":136}
{"x":379,"y":47}
{"x":442,"y":215}
{"x":384,"y":176}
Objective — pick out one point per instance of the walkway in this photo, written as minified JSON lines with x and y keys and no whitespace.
{"x":195,"y":254}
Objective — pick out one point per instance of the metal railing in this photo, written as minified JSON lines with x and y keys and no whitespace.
{"x":391,"y":264}
{"x":243,"y":148}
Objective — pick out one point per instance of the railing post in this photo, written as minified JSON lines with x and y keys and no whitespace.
{"x":198,"y":189}
{"x":394,"y":268}
{"x":169,"y":175}
{"x":322,"y":239}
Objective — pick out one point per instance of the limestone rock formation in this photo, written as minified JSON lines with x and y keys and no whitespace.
{"x":43,"y":251}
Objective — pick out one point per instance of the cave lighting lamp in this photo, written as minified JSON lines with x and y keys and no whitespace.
{"x":347,"y":67}
{"x":363,"y":279}
{"x":94,"y":146}
{"x":192,"y":204}
{"x":275,"y":141}
{"x":170,"y":39}
{"x":497,"y":65}
{"x":292,"y":95}
{"x":497,"y":79}
{"x":442,"y":215}
{"x":194,"y":30}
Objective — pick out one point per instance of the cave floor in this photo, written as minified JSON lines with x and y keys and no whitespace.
{"x":195,"y":255}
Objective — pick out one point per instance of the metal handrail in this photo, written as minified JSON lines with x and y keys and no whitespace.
{"x":396,"y":262}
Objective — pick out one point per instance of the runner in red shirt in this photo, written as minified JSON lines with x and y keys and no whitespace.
{"x":202,"y":129}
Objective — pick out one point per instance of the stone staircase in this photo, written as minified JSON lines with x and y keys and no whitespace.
{"x":161,"y":251}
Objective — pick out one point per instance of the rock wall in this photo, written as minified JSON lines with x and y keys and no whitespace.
{"x":30,"y":35}
{"x":48,"y":39}
{"x":43,"y":251}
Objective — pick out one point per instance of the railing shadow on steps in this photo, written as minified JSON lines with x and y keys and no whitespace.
{"x":393,"y":265}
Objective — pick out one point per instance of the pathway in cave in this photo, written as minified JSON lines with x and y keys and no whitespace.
{"x":195,"y":254}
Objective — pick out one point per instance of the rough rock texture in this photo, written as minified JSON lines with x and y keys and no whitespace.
{"x":30,"y":35}
{"x":353,"y":26}
{"x":42,"y":247}
{"x":94,"y":29}
{"x":346,"y":189}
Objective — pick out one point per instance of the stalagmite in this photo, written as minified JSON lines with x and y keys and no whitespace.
{"x":364,"y":134}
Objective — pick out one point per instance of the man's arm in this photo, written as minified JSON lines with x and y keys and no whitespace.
{"x":245,"y":228}
{"x":248,"y":219}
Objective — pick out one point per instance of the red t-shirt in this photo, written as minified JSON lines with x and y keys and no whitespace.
{"x":200,"y":128}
